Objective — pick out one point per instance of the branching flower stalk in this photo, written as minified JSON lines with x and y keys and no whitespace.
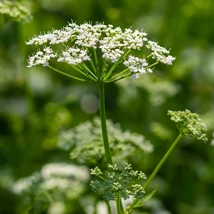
{"x":101,"y":54}
{"x":188,"y":124}
{"x":155,"y":171}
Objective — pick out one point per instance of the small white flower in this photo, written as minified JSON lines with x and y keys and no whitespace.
{"x":136,"y":65}
{"x":135,"y":76}
{"x":64,"y":170}
{"x":113,"y":55}
{"x":57,"y":208}
{"x":168,"y":60}
{"x":74,"y":56}
{"x":25,"y":183}
{"x":77,"y":44}
{"x":160,"y":53}
{"x":56,"y":182}
{"x":41,"y":57}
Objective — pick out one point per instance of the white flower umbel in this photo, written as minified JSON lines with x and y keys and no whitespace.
{"x":25,"y":183}
{"x":64,"y":170}
{"x":137,"y":65}
{"x":41,"y":57}
{"x":159,"y":53}
{"x":74,"y":56}
{"x":55,"y":180}
{"x":99,"y":53}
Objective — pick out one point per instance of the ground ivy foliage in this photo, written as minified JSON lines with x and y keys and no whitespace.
{"x":94,"y":52}
{"x":189,"y":124}
{"x":114,"y":180}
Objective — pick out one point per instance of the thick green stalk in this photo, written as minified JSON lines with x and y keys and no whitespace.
{"x":105,"y":139}
{"x":162,"y":161}
{"x":108,"y":207}
{"x":103,"y":123}
{"x":119,"y":204}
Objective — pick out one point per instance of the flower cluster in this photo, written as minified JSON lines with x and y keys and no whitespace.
{"x":15,"y":10}
{"x":85,"y":142}
{"x":96,"y":50}
{"x":42,"y":57}
{"x":54,"y":182}
{"x":137,"y":66}
{"x":159,"y":53}
{"x":116,"y":180}
{"x":189,"y":124}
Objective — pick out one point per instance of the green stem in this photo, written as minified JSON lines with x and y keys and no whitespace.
{"x":155,"y":63}
{"x":96,"y":61}
{"x":120,"y":78}
{"x":150,"y":55}
{"x":68,"y":75}
{"x":108,"y":207}
{"x":117,"y":75}
{"x":119,"y":204}
{"x":169,"y":151}
{"x":104,"y":67}
{"x":79,"y":70}
{"x":90,"y":73}
{"x":93,"y":66}
{"x":103,"y":123}
{"x":162,"y":161}
{"x":108,"y":74}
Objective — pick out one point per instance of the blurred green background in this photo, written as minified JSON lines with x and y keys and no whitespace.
{"x":36,"y":103}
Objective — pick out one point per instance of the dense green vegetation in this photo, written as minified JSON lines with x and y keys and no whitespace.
{"x":37,"y":104}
